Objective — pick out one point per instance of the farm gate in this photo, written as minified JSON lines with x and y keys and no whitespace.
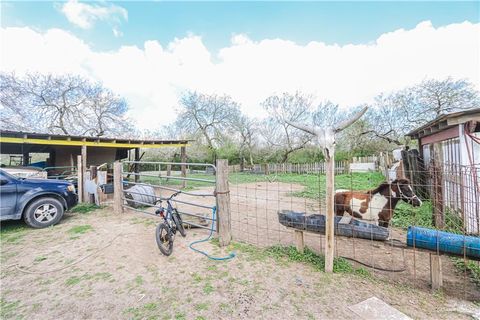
{"x":144,"y":184}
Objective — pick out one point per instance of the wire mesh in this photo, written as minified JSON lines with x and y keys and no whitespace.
{"x":449,"y":198}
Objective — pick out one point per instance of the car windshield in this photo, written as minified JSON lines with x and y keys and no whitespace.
{"x":7,"y":175}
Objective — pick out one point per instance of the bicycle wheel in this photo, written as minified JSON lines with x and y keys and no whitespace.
{"x":179,"y":223}
{"x":164,"y":238}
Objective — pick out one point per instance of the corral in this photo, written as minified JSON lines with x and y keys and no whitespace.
{"x":126,"y":277}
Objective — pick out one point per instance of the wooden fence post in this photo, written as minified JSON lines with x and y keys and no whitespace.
{"x":330,"y":214}
{"x":299,"y":241}
{"x":183,"y":159}
{"x":79,"y":179}
{"x":223,"y":203}
{"x":436,"y":277}
{"x":169,"y":171}
{"x":117,"y":187}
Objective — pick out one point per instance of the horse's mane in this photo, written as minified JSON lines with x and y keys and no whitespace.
{"x":385,"y":185}
{"x":380,"y":188}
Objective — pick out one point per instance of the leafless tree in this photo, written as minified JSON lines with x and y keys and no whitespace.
{"x":246,"y":129}
{"x":392,"y":116}
{"x":211,"y":116}
{"x":276,"y":130}
{"x":60,"y":104}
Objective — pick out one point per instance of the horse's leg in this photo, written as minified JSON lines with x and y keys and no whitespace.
{"x":355,"y":214}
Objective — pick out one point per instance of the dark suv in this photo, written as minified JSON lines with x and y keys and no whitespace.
{"x":40,"y":202}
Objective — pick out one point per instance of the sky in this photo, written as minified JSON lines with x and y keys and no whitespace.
{"x":152,"y":52}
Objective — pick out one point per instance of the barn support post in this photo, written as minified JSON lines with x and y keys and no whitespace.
{"x":137,"y":165}
{"x":93,"y":176}
{"x":26,"y":159}
{"x":84,"y":172}
{"x":117,"y":187}
{"x":223,"y":203}
{"x":183,"y":159}
{"x":79,"y":179}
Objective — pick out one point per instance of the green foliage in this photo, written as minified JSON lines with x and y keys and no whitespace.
{"x":85,"y":208}
{"x":405,"y":215}
{"x":8,"y":309}
{"x":472,"y":268}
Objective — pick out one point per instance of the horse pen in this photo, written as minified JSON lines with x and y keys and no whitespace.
{"x":106,"y":264}
{"x":258,"y":196}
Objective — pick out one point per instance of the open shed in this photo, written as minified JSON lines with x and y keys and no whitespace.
{"x":449,"y":147}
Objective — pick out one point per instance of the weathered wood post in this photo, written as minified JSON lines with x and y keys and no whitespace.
{"x":84,"y":173}
{"x":169,"y":171}
{"x":183,"y":159}
{"x":326,"y":140}
{"x":93,"y":176}
{"x":436,"y":277}
{"x":223,"y":203}
{"x":330,"y":214}
{"x":299,"y":241}
{"x":117,"y":187}
{"x":79,"y":179}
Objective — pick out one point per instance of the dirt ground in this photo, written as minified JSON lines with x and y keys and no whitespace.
{"x":119,"y":273}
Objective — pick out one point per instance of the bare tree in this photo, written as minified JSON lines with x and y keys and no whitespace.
{"x":277,"y":131}
{"x":246,"y":129}
{"x":211,"y":116}
{"x":60,"y":104}
{"x":392,"y":116}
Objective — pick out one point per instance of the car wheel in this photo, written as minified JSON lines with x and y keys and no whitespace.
{"x":43,"y":213}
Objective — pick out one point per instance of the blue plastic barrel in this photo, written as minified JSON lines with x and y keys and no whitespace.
{"x":446,"y":242}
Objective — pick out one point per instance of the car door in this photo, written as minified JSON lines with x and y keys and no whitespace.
{"x":8,"y":195}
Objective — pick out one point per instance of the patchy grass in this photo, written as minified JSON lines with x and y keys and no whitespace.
{"x":85,"y":208}
{"x":138,"y":280}
{"x":290,"y":253}
{"x":8,"y":309}
{"x":201,"y":306}
{"x":99,"y":276}
{"x":472,"y":268}
{"x":147,"y":311}
{"x":12,"y":231}
{"x":80,"y":229}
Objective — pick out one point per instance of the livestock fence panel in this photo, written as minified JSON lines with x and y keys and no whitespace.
{"x":283,"y":211}
{"x":146,"y":183}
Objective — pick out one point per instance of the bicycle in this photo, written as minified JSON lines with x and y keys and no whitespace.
{"x":165,"y":233}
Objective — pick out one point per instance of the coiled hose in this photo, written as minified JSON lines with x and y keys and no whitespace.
{"x":230,"y":256}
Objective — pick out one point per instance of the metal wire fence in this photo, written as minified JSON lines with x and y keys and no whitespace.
{"x":268,"y":208}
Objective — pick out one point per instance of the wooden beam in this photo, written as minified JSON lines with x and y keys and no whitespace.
{"x":84,"y":173}
{"x":223,"y":203}
{"x":79,"y":179}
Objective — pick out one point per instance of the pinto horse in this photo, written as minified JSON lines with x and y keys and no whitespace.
{"x":378,"y":204}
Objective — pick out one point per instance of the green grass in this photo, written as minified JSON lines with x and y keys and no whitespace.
{"x":472,"y":268}
{"x":12,"y":231}
{"x":406,"y":215}
{"x":147,"y":311}
{"x":201,"y":306}
{"x":8,"y":309}
{"x":314,"y":183}
{"x":80,"y":229}
{"x":290,"y":253}
{"x":99,"y":276}
{"x":85,"y":208}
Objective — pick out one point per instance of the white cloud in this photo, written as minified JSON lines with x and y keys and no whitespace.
{"x":152,"y":77}
{"x":85,"y":15}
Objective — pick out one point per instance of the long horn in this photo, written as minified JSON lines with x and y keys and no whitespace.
{"x":302,"y":127}
{"x":344,"y":124}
